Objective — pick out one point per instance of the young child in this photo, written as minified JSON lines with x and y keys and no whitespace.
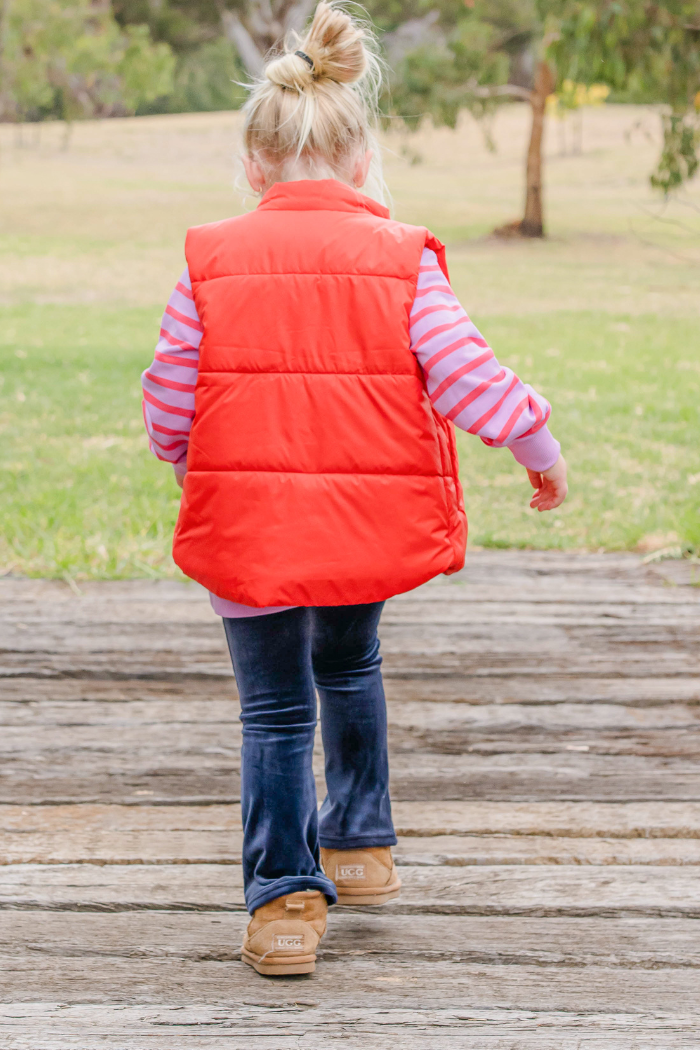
{"x":311,"y":363}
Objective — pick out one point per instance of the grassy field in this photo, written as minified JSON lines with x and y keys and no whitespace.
{"x":602,"y":318}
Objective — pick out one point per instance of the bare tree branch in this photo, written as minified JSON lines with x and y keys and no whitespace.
{"x":5,"y":102}
{"x":262,"y":27}
{"x":236,"y":32}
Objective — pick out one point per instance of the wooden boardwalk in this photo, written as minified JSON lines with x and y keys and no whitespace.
{"x":544,"y":716}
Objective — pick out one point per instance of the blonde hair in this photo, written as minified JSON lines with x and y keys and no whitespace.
{"x":313,"y":113}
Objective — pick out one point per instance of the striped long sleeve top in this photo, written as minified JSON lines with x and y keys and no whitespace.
{"x":463,"y":379}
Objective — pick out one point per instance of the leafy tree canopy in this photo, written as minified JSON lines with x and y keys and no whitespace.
{"x":477,"y":54}
{"x":649,"y":49}
{"x":70,"y":58}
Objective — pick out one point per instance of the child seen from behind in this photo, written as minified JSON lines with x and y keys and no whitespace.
{"x":311,"y":364}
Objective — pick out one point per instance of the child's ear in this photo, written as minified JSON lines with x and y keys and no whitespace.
{"x":361,"y":171}
{"x":253,"y":173}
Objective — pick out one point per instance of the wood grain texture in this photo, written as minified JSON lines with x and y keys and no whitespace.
{"x":28,"y":689}
{"x":632,"y":943}
{"x":59,"y":750}
{"x":544,"y":718}
{"x":195,"y":846}
{"x":303,"y":1022}
{"x":633,"y":820}
{"x":453,"y":834}
{"x":479,"y":890}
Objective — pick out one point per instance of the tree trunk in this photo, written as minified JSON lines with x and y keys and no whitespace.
{"x":533,"y":223}
{"x":261,"y":27}
{"x":5,"y":100}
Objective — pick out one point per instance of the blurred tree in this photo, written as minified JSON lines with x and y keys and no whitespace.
{"x":218,"y":42}
{"x":646,"y":48}
{"x":478,"y":53}
{"x":69,"y":58}
{"x":257,"y":26}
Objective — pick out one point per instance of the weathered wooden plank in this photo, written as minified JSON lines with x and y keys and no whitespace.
{"x":200,"y":777}
{"x":430,"y":629}
{"x":652,"y":944}
{"x":412,"y":658}
{"x":205,"y":847}
{"x":454,"y":834}
{"x":85,"y":624}
{"x":442,"y":716}
{"x":668,"y":743}
{"x":475,"y":689}
{"x":671,"y":644}
{"x":190,"y":750}
{"x":60,"y":717}
{"x":24,"y":691}
{"x":565,"y":774}
{"x":455,"y":850}
{"x":60,"y":1027}
{"x":197,"y":696}
{"x":562,"y":964}
{"x":224,"y":847}
{"x":569,"y":614}
{"x":668,"y":891}
{"x":199,"y":835}
{"x":175,"y":728}
{"x":556,"y":818}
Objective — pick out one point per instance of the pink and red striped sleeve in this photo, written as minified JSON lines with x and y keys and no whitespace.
{"x":466,"y":383}
{"x":169,"y":383}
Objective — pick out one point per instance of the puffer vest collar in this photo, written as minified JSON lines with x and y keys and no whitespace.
{"x":319,"y":195}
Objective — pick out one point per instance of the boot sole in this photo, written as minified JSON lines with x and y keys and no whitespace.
{"x":348,"y":897}
{"x":279,"y":967}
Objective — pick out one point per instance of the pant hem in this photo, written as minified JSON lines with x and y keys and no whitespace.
{"x":256,"y":896}
{"x":358,"y":842}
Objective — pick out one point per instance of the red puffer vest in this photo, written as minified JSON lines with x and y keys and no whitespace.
{"x":318,"y":472}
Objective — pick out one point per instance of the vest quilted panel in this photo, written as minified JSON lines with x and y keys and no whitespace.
{"x":318,"y":472}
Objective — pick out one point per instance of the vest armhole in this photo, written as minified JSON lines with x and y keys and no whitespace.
{"x":439,"y":248}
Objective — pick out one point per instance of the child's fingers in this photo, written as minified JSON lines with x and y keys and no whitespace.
{"x":552,"y":500}
{"x":549,"y":496}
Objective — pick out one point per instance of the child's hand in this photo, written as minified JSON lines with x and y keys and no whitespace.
{"x":550,"y":485}
{"x":180,"y":478}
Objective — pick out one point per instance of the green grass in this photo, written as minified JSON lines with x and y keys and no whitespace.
{"x":625,"y":393}
{"x":602,"y":317}
{"x":80,"y":495}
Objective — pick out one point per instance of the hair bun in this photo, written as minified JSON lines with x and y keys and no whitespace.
{"x":335,"y":46}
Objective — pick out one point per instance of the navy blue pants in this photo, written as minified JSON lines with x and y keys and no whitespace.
{"x":280,"y":660}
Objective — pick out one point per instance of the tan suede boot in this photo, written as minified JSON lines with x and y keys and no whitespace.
{"x":363,"y":876}
{"x":283,"y":934}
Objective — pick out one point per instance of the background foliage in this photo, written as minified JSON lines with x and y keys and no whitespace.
{"x":601,"y":317}
{"x":70,"y":58}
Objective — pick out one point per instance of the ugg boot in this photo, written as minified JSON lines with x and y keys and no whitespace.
{"x":363,"y":876}
{"x":283,"y":934}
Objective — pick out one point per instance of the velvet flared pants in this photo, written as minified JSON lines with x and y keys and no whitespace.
{"x":281,"y":660}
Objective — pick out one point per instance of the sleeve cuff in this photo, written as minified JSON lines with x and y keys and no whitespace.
{"x":539,"y":451}
{"x":180,"y":468}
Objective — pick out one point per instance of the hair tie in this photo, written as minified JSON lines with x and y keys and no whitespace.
{"x":307,"y":59}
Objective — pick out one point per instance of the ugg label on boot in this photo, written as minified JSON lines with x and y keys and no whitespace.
{"x":288,"y":942}
{"x":351,"y":871}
